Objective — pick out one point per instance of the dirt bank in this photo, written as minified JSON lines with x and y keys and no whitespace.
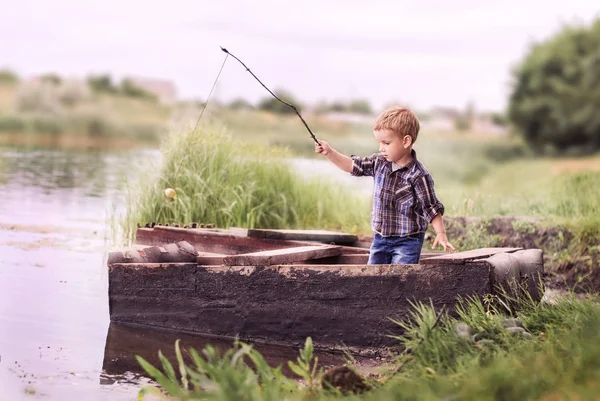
{"x":571,"y":254}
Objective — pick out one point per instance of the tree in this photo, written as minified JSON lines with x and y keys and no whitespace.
{"x":556,"y":94}
{"x":240,"y":104}
{"x":275,"y":106}
{"x":131,"y":89}
{"x":8,"y":76}
{"x":360,"y":106}
{"x":102,"y":83}
{"x":51,"y":78}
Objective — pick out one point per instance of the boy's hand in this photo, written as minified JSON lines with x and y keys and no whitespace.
{"x":322,"y":147}
{"x":441,"y":239}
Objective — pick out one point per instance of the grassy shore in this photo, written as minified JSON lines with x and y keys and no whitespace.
{"x":230,"y":177}
{"x":475,"y":176}
{"x":545,"y":351}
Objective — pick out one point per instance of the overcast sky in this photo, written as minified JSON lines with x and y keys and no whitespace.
{"x":423,"y":53}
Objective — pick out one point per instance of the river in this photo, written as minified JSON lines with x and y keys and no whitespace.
{"x":56,"y":340}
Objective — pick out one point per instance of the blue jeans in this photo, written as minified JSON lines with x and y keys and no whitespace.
{"x":396,"y":250}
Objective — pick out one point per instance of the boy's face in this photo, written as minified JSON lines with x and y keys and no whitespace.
{"x":392,"y":145}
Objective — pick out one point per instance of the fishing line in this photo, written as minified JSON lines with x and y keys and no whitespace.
{"x":211,"y":91}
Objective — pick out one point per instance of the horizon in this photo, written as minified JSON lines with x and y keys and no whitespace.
{"x":381,"y":52}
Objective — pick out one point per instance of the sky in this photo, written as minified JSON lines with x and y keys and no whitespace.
{"x":420,"y":53}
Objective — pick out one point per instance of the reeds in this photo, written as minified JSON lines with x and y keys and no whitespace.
{"x":228,"y":183}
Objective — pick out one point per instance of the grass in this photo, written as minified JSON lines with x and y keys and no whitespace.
{"x":228,"y":183}
{"x":229,"y":177}
{"x":559,"y":358}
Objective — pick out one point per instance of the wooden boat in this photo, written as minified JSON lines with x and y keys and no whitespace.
{"x":281,"y":286}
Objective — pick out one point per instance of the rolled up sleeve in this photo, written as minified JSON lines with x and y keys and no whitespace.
{"x":424,"y":190}
{"x":363,"y":166}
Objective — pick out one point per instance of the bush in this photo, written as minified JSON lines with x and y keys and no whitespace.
{"x":12,"y":124}
{"x":102,"y":83}
{"x":38,"y":97}
{"x":273,"y":105}
{"x":129,"y":88}
{"x":73,"y":92}
{"x":45,"y":125}
{"x":7,"y":76}
{"x":556,"y":93}
{"x":51,"y":78}
{"x":240,"y":104}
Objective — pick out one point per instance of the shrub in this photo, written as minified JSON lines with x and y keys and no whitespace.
{"x":38,"y":97}
{"x":556,"y":92}
{"x":273,"y":105}
{"x":7,"y":76}
{"x":10,"y":123}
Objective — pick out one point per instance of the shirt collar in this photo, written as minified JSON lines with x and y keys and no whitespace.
{"x":407,"y":166}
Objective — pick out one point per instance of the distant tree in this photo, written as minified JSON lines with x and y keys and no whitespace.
{"x":102,"y":83}
{"x":338,"y":107}
{"x":499,"y":118}
{"x":7,"y":76}
{"x":470,"y":112}
{"x":129,"y":88}
{"x":240,"y":104}
{"x":355,"y":106}
{"x":273,"y":105}
{"x":462,"y":123}
{"x":51,"y":78}
{"x":556,"y":95}
{"x":360,"y":107}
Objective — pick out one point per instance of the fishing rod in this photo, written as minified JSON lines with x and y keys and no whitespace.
{"x":274,"y":95}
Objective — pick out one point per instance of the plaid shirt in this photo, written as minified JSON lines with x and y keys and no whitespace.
{"x":404,"y":201}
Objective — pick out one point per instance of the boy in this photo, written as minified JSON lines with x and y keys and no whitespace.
{"x":404,"y":201}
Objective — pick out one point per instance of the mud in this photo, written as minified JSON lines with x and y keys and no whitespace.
{"x":571,"y":259}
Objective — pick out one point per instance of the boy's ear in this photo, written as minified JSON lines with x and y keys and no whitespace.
{"x":407,"y":141}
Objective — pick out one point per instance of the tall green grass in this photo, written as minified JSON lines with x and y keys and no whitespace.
{"x":226,"y":182}
{"x":559,"y":359}
{"x":528,"y":188}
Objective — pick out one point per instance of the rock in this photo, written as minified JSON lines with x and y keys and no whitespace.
{"x":512,"y":322}
{"x":519,"y":331}
{"x":486,"y":343}
{"x":462,"y":330}
{"x":515,"y":330}
{"x":345,"y":380}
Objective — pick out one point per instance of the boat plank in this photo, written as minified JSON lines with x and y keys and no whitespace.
{"x":299,"y":235}
{"x":282,"y":256}
{"x":462,"y":257}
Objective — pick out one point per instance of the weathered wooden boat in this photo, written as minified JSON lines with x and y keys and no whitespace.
{"x":281,"y":286}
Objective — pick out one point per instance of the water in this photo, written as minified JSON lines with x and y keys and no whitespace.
{"x":56,"y":340}
{"x":53,"y":281}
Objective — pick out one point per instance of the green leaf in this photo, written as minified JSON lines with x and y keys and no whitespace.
{"x":169,"y":386}
{"x":182,"y":367}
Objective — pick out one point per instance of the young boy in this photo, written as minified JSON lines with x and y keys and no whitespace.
{"x":404,"y":201}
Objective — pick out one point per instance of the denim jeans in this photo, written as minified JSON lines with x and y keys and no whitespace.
{"x":396,"y":250}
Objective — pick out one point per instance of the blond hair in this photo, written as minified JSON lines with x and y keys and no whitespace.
{"x":399,"y":119}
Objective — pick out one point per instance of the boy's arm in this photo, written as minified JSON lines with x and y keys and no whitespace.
{"x":433,"y":209}
{"x":342,"y":161}
{"x":440,"y":238}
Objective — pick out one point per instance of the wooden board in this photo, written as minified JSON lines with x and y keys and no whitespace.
{"x":210,"y":258}
{"x":462,"y":257}
{"x":282,"y":256}
{"x":297,"y":235}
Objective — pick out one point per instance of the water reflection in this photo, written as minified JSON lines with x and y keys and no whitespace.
{"x":91,"y":173}
{"x":53,"y":281}
{"x":123,"y":342}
